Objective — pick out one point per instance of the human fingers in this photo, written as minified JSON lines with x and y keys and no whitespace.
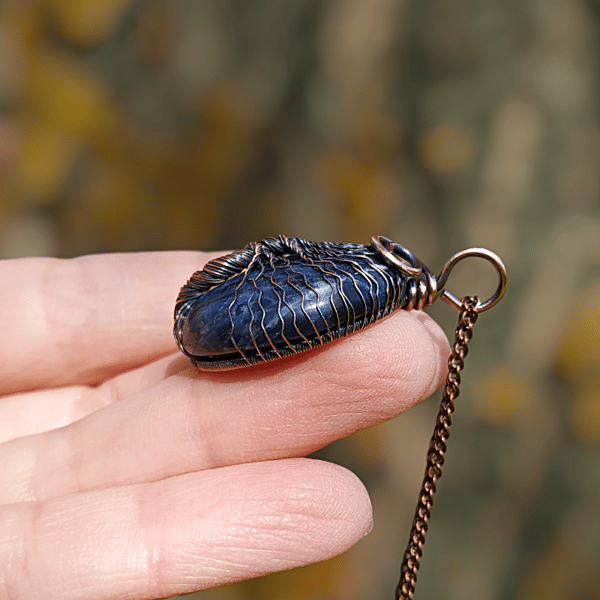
{"x":82,"y":320}
{"x":28,"y":413}
{"x":195,"y":420}
{"x":181,"y":534}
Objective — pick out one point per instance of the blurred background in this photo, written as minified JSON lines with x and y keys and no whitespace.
{"x":132,"y":125}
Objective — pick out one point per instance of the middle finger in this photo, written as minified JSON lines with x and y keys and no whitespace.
{"x":194,"y":420}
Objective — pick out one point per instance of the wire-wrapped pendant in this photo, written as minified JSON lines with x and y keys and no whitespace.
{"x":285,"y":295}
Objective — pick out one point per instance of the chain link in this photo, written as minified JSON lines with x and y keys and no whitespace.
{"x":437,"y":448}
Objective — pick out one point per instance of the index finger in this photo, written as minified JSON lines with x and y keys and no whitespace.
{"x":81,"y":320}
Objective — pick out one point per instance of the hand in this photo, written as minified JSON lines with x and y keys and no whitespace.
{"x":127,"y":473}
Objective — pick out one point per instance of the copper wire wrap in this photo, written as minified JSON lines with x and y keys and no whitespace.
{"x":437,"y":449}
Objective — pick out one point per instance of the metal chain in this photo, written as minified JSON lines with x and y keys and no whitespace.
{"x":437,"y":449}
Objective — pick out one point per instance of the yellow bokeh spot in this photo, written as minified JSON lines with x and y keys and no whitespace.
{"x":579,"y":350}
{"x":23,"y":20}
{"x":87,"y":22}
{"x":44,"y":163}
{"x":447,"y":148}
{"x":62,"y":91}
{"x":368,"y":192}
{"x":584,"y":413}
{"x":114,"y":196}
{"x":557,"y":570}
{"x":502,"y":394}
{"x":366,"y":447}
{"x":319,"y":580}
{"x":225,"y":146}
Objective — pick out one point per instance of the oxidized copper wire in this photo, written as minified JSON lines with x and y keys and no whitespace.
{"x":437,"y":448}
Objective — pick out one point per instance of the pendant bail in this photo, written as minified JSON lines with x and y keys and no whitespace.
{"x":488,"y":255}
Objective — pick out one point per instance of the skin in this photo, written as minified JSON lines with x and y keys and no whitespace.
{"x":127,"y":473}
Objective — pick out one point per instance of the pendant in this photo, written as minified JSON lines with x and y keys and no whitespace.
{"x":285,"y":295}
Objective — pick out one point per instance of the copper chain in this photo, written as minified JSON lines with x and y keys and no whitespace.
{"x":437,"y":449}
